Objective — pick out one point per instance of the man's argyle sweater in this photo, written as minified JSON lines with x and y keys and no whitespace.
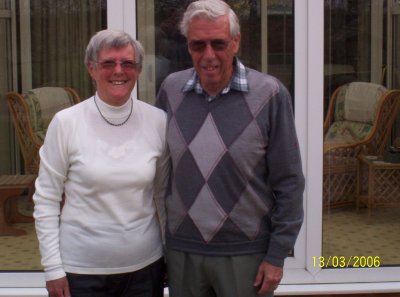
{"x":237,"y":183}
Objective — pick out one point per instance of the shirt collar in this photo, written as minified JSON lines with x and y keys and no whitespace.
{"x":238,"y":82}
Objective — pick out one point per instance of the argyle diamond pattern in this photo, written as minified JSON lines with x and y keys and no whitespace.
{"x":179,"y":142}
{"x":207,"y":207}
{"x":207,"y":136}
{"x":209,"y":143}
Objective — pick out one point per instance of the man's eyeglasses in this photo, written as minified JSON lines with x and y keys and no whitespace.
{"x":216,"y":44}
{"x":125,"y":64}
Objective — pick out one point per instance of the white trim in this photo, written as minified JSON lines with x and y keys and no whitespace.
{"x":115,"y":15}
{"x":25,"y":292}
{"x":315,"y":289}
{"x":314,"y":105}
{"x":21,"y":279}
{"x":129,"y":26}
{"x":121,"y":15}
{"x":350,"y":288}
{"x":300,"y":107}
{"x":129,"y":19}
{"x":362,"y":275}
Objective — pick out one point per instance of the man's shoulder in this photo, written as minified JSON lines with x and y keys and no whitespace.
{"x":263,"y":84}
{"x":257,"y":77}
{"x":179,"y":77}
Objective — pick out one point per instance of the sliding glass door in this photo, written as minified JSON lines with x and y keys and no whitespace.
{"x":358,"y":34}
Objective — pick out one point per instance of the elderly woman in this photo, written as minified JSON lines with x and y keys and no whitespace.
{"x":107,"y":156}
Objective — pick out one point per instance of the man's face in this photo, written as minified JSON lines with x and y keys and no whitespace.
{"x":212,"y":49}
{"x":115,"y":73}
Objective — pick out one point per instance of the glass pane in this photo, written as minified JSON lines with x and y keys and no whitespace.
{"x":280,"y":47}
{"x":5,"y":84}
{"x":4,"y":4}
{"x":396,"y":49}
{"x":57,"y":59}
{"x":267,"y":38}
{"x":361,"y":178}
{"x":395,"y":79}
{"x":50,"y":41}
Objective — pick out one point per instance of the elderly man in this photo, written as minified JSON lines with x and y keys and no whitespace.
{"x":235,"y":203}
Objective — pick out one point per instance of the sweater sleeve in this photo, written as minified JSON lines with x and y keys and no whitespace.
{"x":285,"y":177}
{"x":161,"y":180}
{"x":48,"y":196}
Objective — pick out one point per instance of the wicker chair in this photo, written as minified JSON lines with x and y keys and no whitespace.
{"x":352,"y":127}
{"x":31,"y":114}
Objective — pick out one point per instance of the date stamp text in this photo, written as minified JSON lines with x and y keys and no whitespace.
{"x":346,"y":261}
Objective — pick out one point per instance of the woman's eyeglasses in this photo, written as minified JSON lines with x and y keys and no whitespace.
{"x":216,"y":44}
{"x":125,"y":64}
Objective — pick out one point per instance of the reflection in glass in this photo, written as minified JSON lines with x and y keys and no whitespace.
{"x":360,"y":219}
{"x":267,"y":33}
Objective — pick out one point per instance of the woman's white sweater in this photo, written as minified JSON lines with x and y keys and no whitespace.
{"x":111,"y":177}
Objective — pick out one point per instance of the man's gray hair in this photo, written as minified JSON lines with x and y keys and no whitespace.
{"x":210,"y":9}
{"x":108,"y":39}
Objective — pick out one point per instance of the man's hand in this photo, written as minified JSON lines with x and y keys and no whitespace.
{"x":58,"y":287}
{"x":268,"y":277}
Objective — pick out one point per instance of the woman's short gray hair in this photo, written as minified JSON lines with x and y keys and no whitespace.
{"x":210,"y":9}
{"x":108,"y":39}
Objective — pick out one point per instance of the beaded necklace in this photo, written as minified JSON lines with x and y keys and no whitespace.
{"x":107,"y":121}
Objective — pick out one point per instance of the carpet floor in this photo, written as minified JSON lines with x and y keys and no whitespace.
{"x":346,"y":233}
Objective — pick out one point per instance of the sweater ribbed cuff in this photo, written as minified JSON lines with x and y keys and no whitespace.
{"x":54,"y":273}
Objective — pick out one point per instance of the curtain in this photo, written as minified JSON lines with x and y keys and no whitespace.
{"x":60,"y":31}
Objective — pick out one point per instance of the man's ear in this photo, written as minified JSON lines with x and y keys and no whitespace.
{"x":236,"y":40}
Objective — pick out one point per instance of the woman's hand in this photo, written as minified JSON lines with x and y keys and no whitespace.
{"x":58,"y":287}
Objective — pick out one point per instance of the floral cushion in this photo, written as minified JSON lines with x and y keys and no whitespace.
{"x":339,"y":107}
{"x":34,"y":111}
{"x":354,"y":112}
{"x":347,"y":132}
{"x":361,"y":101}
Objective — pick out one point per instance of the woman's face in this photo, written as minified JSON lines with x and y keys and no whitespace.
{"x":115,"y":73}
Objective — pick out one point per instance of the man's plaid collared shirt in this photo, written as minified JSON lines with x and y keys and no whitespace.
{"x":238,"y":82}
